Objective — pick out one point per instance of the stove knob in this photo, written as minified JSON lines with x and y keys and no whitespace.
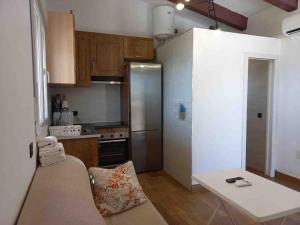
{"x":111,"y":135}
{"x":121,"y":135}
{"x":102,"y":136}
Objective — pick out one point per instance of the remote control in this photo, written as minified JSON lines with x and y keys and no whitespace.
{"x":233,"y":180}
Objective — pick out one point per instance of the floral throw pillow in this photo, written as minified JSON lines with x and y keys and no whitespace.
{"x":116,"y":190}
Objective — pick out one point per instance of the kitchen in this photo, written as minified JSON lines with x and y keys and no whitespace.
{"x":114,"y":94}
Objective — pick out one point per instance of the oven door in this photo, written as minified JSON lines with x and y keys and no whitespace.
{"x":112,"y":152}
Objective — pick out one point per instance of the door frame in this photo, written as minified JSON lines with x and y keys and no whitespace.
{"x":272,"y":110}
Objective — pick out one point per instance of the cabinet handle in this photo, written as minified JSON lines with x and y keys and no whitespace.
{"x":112,"y":141}
{"x":138,"y":56}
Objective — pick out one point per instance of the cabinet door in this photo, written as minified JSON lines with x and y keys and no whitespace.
{"x":86,"y":149}
{"x":61,"y":48}
{"x":107,"y":55}
{"x":138,"y":48}
{"x":83,"y":69}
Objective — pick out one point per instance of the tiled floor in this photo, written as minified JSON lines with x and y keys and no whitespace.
{"x":181,"y":207}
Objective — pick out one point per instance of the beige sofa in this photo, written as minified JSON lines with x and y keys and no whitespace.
{"x":61,"y":195}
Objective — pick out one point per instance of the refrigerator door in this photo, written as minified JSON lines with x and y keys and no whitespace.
{"x":147,"y":150}
{"x":146,"y":96}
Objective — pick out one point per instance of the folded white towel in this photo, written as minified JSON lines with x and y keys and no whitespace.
{"x":49,"y":141}
{"x":53,"y":158}
{"x":50,"y":153}
{"x":59,"y":146}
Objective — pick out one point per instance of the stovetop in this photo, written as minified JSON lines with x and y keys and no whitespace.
{"x":90,"y":128}
{"x":98,"y":125}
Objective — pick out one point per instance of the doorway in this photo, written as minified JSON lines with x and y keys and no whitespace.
{"x":258,"y":116}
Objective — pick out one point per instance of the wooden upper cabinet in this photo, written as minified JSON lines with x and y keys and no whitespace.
{"x":82,"y":59}
{"x":138,"y":48}
{"x":61,"y":48}
{"x":107,"y":58}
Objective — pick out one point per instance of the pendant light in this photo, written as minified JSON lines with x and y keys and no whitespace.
{"x":211,"y":11}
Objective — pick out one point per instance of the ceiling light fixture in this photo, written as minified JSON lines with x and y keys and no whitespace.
{"x":180,"y":6}
{"x":211,"y":12}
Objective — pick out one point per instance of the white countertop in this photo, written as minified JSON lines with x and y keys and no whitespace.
{"x":263,"y":201}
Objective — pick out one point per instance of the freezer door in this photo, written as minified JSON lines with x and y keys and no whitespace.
{"x":146,"y":96}
{"x":147,"y":150}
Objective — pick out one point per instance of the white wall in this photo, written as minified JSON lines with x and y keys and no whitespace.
{"x":177,"y":60}
{"x":207,"y":69}
{"x":98,"y":103}
{"x":268,"y":22}
{"x":257,"y":103}
{"x":288,"y":134}
{"x":126,"y":17}
{"x":218,"y":96}
{"x":17,"y":108}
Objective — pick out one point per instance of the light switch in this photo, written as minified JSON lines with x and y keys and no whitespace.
{"x":259,"y":115}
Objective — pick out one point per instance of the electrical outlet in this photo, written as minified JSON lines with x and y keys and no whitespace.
{"x":31,"y":148}
{"x":298,"y":155}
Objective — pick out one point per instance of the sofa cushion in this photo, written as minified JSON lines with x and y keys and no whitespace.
{"x":61,"y":195}
{"x":116,"y":190}
{"x":145,"y":214}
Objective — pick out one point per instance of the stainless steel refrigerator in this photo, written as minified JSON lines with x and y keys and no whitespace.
{"x":145,"y":81}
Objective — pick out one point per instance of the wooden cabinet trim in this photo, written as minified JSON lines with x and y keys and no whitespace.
{"x":83,"y":67}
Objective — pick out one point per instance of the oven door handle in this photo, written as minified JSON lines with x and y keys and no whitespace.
{"x":113,"y":141}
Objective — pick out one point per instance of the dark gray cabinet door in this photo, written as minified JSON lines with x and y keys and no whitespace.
{"x":147,"y":150}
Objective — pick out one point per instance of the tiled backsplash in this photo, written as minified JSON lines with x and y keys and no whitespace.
{"x":98,"y":103}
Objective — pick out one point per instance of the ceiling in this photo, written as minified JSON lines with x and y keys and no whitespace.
{"x":244,"y":7}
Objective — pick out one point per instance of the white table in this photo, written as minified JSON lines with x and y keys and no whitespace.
{"x":263,"y":201}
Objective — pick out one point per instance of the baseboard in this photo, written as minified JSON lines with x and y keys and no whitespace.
{"x":286,"y":177}
{"x":254,"y":170}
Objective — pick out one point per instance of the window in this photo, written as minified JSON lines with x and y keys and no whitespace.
{"x":40,"y":69}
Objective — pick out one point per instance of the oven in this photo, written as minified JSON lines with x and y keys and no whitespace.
{"x":113,"y":152}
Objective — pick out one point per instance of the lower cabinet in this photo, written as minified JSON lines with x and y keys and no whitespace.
{"x":86,"y":149}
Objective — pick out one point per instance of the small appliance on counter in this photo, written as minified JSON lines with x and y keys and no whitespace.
{"x":62,"y":116}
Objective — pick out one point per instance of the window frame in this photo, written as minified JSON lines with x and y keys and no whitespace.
{"x":40,"y":77}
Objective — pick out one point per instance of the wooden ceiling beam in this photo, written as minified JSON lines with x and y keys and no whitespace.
{"x":287,"y":5}
{"x":223,"y":14}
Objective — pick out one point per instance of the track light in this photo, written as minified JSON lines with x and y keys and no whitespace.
{"x":214,"y":27}
{"x":211,"y":14}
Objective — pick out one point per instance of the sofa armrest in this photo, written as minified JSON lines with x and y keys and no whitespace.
{"x":61,"y":194}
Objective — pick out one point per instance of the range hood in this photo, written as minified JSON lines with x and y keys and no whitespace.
{"x":107,"y":80}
